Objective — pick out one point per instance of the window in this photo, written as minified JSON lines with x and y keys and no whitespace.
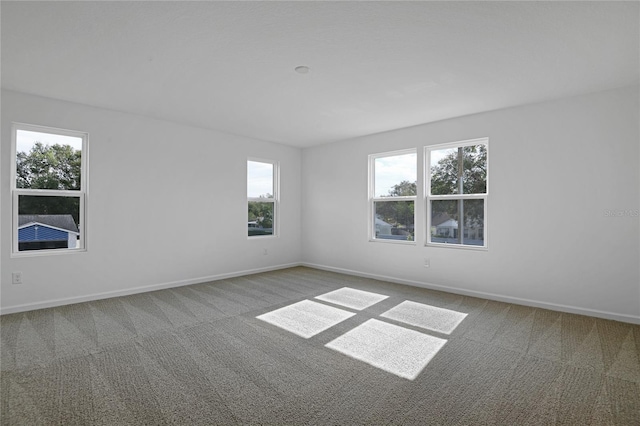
{"x":392,"y":195}
{"x":457,"y":189}
{"x":49,"y":186}
{"x":262,"y":198}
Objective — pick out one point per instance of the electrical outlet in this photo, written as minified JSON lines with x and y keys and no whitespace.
{"x":427,"y":263}
{"x":16,"y":278}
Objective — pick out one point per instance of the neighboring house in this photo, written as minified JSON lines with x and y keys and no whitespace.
{"x":442,"y":225}
{"x":387,"y":231}
{"x":448,"y":228}
{"x":46,"y":231}
{"x":382,"y":228}
{"x":444,"y":229}
{"x":256,"y":229}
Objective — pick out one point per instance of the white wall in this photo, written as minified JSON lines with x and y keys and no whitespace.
{"x":178,"y":193}
{"x":555,"y":168}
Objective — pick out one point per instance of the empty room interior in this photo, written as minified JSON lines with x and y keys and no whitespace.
{"x":320,"y":213}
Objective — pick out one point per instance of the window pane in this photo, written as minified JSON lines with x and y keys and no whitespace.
{"x":395,"y":175}
{"x":259,"y":179}
{"x":445,"y":224}
{"x":48,"y":222}
{"x":48,"y":161}
{"x":260,"y":218}
{"x":394,"y":220}
{"x":447,"y":178}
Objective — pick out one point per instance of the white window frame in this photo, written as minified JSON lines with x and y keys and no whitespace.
{"x":275,"y":200}
{"x":373,"y":199}
{"x":81,"y":194}
{"x":453,"y":197}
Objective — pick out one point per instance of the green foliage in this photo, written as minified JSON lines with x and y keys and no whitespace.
{"x":397,"y":213}
{"x":403,"y":189}
{"x":446,"y":179}
{"x":400,"y":214}
{"x":49,"y":167}
{"x":261,"y":213}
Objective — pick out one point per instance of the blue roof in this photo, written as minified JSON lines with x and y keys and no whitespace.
{"x":60,"y":221}
{"x":45,"y":227}
{"x":39,"y":232}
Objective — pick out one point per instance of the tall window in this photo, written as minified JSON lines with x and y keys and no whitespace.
{"x":457,"y":189}
{"x":262,"y":197}
{"x":49,"y":186}
{"x":392,"y":195}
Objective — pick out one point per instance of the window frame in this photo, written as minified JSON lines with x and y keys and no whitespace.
{"x":428,"y":197}
{"x":81,"y":194}
{"x":372,"y":199}
{"x":275,"y":199}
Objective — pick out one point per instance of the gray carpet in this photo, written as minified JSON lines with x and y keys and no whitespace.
{"x":198,"y":355}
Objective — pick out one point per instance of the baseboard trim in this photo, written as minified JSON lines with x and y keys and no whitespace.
{"x":142,"y":289}
{"x":491,"y":296}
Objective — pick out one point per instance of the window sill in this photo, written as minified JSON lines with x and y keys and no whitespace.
{"x":384,"y":241}
{"x":458,"y":246}
{"x":261,"y":237}
{"x":41,"y":253}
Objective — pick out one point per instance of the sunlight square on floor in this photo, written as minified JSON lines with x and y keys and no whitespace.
{"x":306,"y":318}
{"x":352,"y":298}
{"x":395,"y":349}
{"x":426,"y":316}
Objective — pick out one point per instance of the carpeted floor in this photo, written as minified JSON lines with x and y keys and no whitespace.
{"x":198,"y":355}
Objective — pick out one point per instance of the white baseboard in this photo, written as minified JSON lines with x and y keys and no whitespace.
{"x":491,"y":296}
{"x":135,"y":290}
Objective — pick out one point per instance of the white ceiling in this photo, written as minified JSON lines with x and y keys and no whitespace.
{"x":375,"y":66}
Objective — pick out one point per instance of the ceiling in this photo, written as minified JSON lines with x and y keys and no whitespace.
{"x":375,"y":66}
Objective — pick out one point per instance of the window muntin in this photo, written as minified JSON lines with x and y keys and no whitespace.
{"x":457,"y":187}
{"x":393,"y":192}
{"x":48,"y":189}
{"x":262,"y":197}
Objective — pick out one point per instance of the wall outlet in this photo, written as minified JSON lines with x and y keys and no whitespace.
{"x":16,"y":278}
{"x":265,"y":252}
{"x":427,"y":263}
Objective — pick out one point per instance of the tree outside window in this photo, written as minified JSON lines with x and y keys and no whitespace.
{"x":261,"y":198}
{"x":393,"y":195}
{"x":457,"y":193}
{"x":49,"y":188}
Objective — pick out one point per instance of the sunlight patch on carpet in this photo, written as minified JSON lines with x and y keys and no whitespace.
{"x":426,"y":316}
{"x":395,"y":349}
{"x":306,"y":318}
{"x":352,"y":298}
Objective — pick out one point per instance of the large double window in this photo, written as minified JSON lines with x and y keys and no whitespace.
{"x":393,"y":192}
{"x":262,"y":198}
{"x":456,"y":193}
{"x":49,"y":186}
